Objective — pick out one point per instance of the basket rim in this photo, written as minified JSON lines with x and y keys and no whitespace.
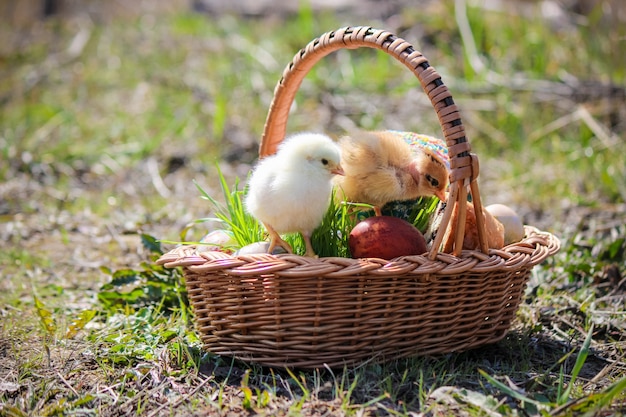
{"x":536,"y":246}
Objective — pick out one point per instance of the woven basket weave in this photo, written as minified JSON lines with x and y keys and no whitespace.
{"x":294,"y":311}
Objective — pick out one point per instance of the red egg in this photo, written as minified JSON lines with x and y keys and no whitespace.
{"x":385,"y":237}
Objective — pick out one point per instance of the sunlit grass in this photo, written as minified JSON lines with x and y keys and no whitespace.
{"x":545,"y":114}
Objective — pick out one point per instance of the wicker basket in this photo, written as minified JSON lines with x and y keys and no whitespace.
{"x":294,"y":311}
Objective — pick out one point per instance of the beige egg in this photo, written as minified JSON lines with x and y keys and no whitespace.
{"x":513,"y":226}
{"x":218,"y":240}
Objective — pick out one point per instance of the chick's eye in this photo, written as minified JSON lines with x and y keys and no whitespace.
{"x":432,"y":181}
{"x":324,"y":161}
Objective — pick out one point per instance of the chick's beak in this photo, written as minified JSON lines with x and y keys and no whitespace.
{"x":338,"y":170}
{"x":441,"y":195}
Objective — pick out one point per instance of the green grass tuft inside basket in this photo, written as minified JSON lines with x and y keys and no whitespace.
{"x":329,"y":239}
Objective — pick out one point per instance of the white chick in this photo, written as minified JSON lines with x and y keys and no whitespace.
{"x":290,"y":191}
{"x":381,"y":167}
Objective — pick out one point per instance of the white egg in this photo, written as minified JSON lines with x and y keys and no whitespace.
{"x":259,"y":247}
{"x":513,"y":226}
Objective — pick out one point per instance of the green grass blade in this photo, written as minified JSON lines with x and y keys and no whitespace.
{"x":206,"y":195}
{"x":580,"y":361}
{"x":608,"y":395}
{"x":79,"y":323}
{"x":46,"y":317}
{"x":591,"y":404}
{"x":511,"y":392}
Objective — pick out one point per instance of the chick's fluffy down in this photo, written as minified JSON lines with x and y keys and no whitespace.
{"x":366,"y":178}
{"x":291,"y":190}
{"x":381,"y":167}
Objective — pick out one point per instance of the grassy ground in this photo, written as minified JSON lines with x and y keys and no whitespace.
{"x":104,"y":127}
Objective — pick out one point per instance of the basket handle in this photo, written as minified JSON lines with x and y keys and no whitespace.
{"x":463,"y":164}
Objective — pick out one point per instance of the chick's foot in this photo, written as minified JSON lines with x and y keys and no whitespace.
{"x":276,"y":240}
{"x":309,"y":248}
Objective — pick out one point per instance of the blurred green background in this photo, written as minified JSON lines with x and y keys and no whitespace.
{"x":109,"y":107}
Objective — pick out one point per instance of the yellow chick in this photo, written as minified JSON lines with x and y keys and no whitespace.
{"x":380,"y":167}
{"x":290,"y":191}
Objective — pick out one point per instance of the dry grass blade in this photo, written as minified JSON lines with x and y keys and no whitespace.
{"x":181,"y":399}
